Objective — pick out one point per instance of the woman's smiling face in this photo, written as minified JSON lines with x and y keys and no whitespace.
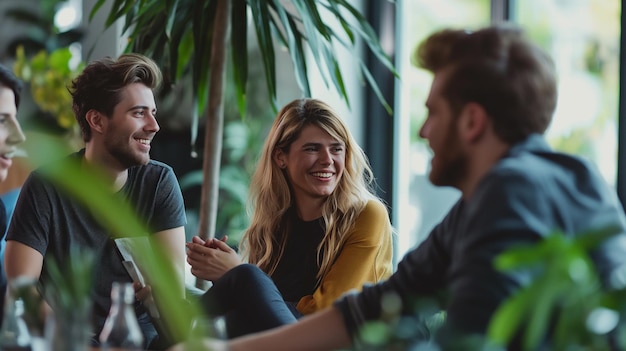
{"x":314,"y":164}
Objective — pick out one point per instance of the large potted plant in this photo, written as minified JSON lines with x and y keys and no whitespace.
{"x":195,"y":36}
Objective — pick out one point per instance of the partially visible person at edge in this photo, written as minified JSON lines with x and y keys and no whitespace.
{"x":114,"y":105}
{"x":10,"y":136}
{"x":493,"y":96}
{"x":317,"y":229}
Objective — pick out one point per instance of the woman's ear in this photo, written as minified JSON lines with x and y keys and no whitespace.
{"x":279,"y":157}
{"x":95,"y":120}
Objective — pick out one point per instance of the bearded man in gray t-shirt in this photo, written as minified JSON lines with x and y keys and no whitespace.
{"x":114,"y":105}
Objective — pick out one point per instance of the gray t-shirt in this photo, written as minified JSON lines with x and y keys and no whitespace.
{"x":49,"y":221}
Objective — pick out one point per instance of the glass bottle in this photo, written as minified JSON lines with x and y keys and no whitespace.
{"x":121,"y":329}
{"x":14,"y":334}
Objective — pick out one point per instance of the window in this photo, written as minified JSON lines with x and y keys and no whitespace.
{"x":582,"y":37}
{"x":419,"y":205}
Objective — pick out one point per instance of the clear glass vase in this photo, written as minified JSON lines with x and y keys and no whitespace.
{"x":69,"y":330}
{"x":121,"y":329}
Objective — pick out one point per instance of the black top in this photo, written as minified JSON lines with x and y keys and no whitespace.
{"x":296,"y":273}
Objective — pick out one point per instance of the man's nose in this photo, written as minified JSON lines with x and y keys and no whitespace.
{"x":424,"y":130}
{"x":152,"y":124}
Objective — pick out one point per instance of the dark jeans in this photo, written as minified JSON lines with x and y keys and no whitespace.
{"x":249,"y":301}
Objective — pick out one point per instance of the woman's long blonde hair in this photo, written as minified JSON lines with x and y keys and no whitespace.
{"x":270,"y":195}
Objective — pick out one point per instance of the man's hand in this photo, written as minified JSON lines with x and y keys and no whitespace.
{"x":143,"y":294}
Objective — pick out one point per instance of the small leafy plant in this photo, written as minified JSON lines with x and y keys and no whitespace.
{"x":566,"y":307}
{"x":48,"y":74}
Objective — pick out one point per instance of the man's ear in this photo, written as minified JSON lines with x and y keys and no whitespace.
{"x":473,"y":122}
{"x":95,"y":120}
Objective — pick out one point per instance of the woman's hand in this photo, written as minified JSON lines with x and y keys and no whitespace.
{"x":210,"y":259}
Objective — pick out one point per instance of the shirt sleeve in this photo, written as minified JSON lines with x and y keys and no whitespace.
{"x":420,"y":272}
{"x":365,"y":258}
{"x":169,"y":210}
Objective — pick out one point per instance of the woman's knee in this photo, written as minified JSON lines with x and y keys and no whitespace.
{"x":247,"y":274}
{"x":238,"y":284}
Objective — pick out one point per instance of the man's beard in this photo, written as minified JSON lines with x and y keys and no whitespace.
{"x":452,"y":162}
{"x":123,"y":153}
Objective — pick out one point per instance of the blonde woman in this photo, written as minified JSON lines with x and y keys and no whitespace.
{"x":317,"y":229}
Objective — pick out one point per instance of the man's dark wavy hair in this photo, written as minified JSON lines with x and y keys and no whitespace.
{"x":499,"y":68}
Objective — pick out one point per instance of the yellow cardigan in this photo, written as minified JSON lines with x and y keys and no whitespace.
{"x":365,"y":258}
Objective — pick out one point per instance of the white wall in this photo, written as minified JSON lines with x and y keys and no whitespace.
{"x":110,"y":42}
{"x":349,"y":65}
